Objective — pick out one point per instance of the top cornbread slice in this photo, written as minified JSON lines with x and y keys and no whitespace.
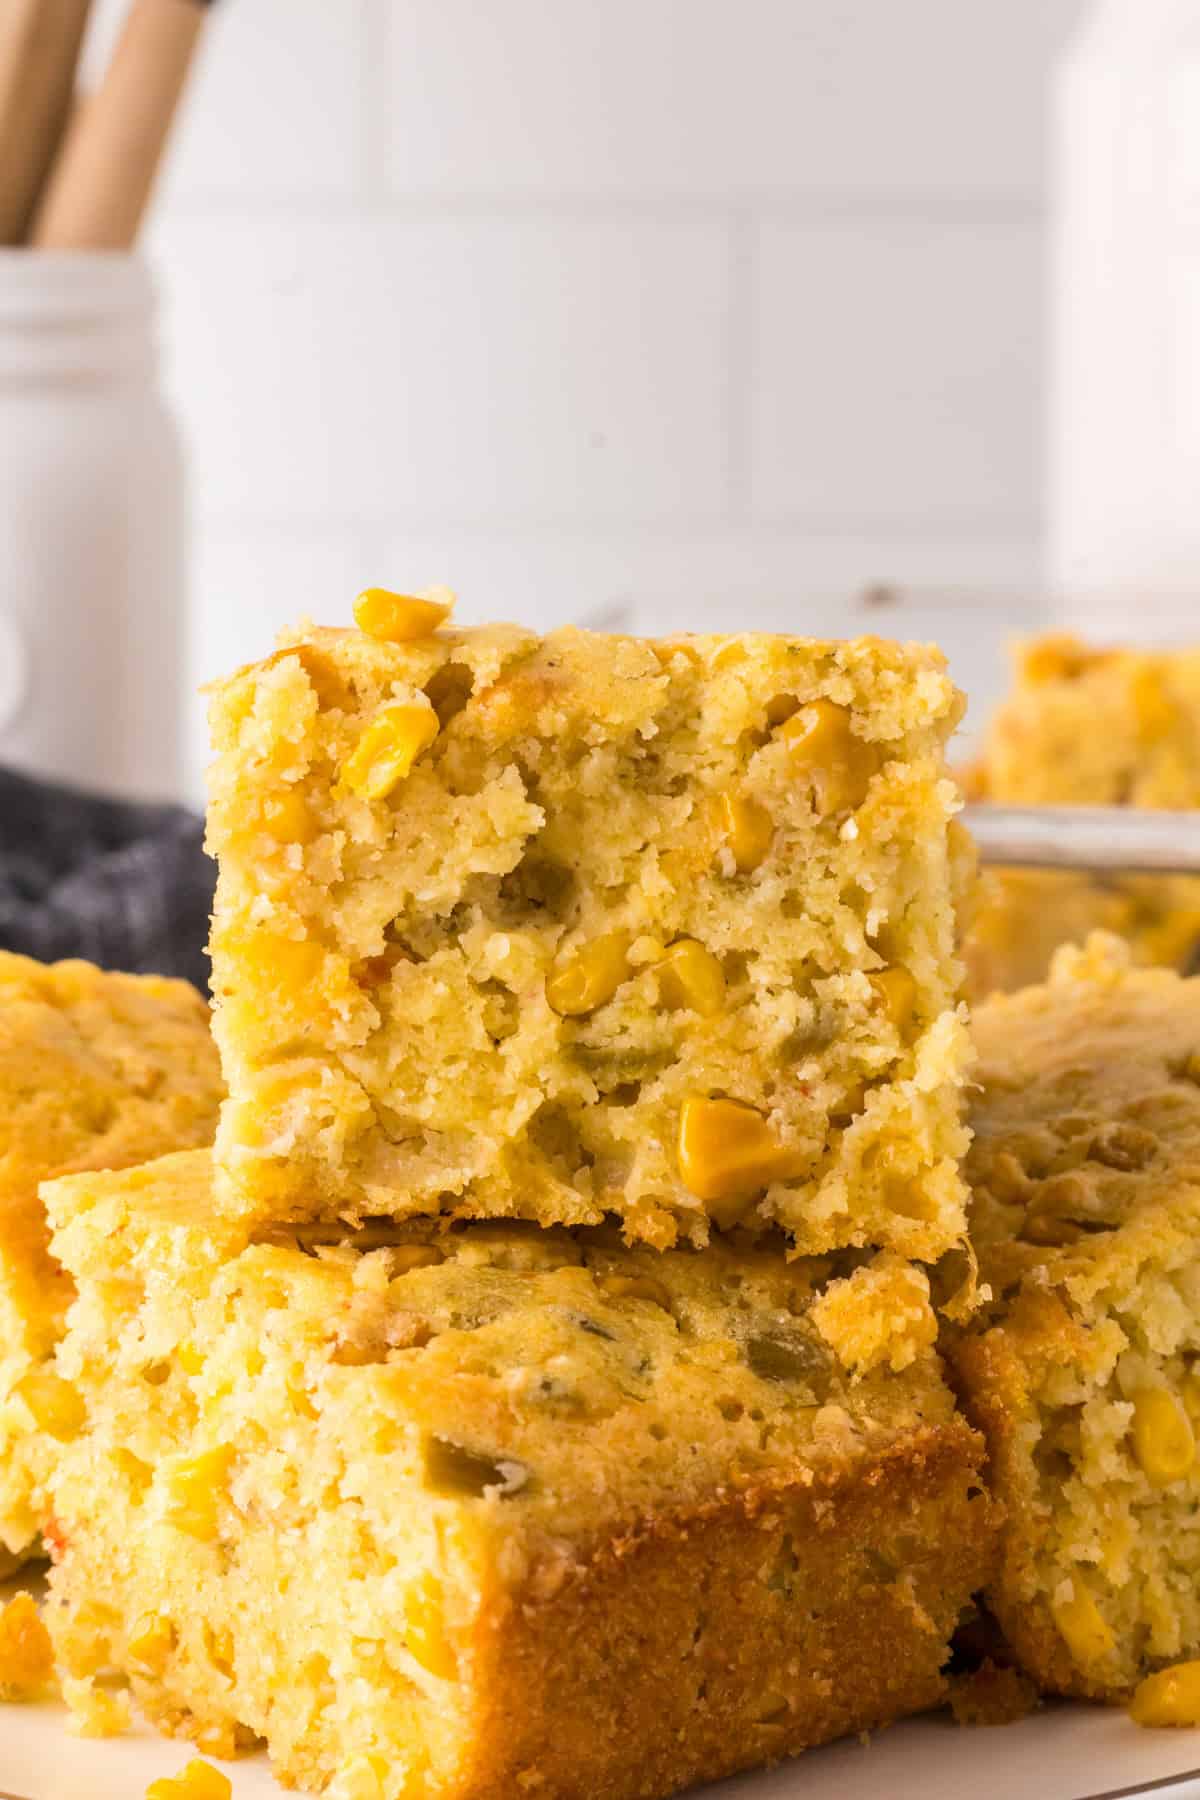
{"x":97,"y":1071}
{"x":1087,"y":726}
{"x":566,"y":926}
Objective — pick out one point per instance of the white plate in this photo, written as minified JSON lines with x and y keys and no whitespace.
{"x":1064,"y":1753}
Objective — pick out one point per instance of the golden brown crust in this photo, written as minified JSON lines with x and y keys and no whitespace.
{"x":740,"y":1634}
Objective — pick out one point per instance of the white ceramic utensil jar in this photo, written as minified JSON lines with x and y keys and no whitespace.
{"x":1124,"y":515}
{"x":92,"y":620}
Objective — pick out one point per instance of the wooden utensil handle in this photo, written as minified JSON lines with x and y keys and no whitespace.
{"x":103,"y":177}
{"x":39,"y":47}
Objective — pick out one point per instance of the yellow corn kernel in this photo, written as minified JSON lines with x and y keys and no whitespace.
{"x":57,"y":1407}
{"x":286,"y":816}
{"x":289,"y":966}
{"x":823,"y":745}
{"x":691,"y":976}
{"x":898,"y":993}
{"x":748,"y":831}
{"x":398,"y":618}
{"x":199,"y":1781}
{"x":586,"y":978}
{"x":1171,"y":1697}
{"x":388,"y":748}
{"x":404,"y":1257}
{"x":1084,"y":1629}
{"x":190,"y":1359}
{"x":1163,"y":1440}
{"x":194,"y":1487}
{"x":781,"y":707}
{"x":728,"y":651}
{"x":728,"y":1152}
{"x":152,"y":1642}
{"x":425,"y":1631}
{"x":635,"y":1287}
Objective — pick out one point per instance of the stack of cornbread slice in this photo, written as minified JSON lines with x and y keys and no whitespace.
{"x":538,"y":1389}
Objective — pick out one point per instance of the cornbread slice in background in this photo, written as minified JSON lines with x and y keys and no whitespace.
{"x":1085,"y":726}
{"x":578,"y":925}
{"x":496,"y":1509}
{"x":97,"y":1071}
{"x":1085,"y":1371}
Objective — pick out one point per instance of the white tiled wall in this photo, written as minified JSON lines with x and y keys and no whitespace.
{"x":678,"y":311}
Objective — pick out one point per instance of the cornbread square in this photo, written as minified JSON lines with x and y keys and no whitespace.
{"x":1085,"y":726}
{"x":579,"y":925}
{"x":495,"y":1509}
{"x":1085,"y":1375}
{"x":97,"y":1071}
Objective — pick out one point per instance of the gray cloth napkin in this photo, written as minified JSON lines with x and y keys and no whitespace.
{"x":126,"y":885}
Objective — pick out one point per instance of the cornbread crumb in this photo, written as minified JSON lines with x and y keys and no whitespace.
{"x":546,"y":1512}
{"x":575,"y":926}
{"x":199,"y":1781}
{"x":96,"y":1071}
{"x":879,"y":1315}
{"x":95,"y":1711}
{"x":26,"y":1654}
{"x":1084,"y":1370}
{"x":992,"y":1694}
{"x":1087,"y":726}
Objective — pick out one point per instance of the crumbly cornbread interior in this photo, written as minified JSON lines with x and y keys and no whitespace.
{"x":97,"y":1071}
{"x":428,"y":1511}
{"x":1085,"y":1369}
{"x":579,"y":925}
{"x":1085,"y":726}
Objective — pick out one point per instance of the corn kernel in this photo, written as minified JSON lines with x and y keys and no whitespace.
{"x":1163,"y":1440}
{"x":636,"y":1287}
{"x":897,"y":992}
{"x":405,"y":1257}
{"x":589,"y":976}
{"x":199,"y":1781}
{"x":152,"y":1642}
{"x":388,"y":748}
{"x":823,"y":745}
{"x":57,"y":1407}
{"x":748,"y":831}
{"x":425,"y":1631}
{"x":691,"y":976}
{"x":288,"y":966}
{"x":194,"y":1486}
{"x":190,"y":1359}
{"x":287,"y":817}
{"x":1171,"y":1697}
{"x":728,"y":1152}
{"x":399,"y":618}
{"x":1084,"y":1629}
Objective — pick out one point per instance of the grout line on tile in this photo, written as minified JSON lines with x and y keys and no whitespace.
{"x":740,"y":352}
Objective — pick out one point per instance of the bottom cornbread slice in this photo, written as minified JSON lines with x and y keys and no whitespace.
{"x":492,"y":1511}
